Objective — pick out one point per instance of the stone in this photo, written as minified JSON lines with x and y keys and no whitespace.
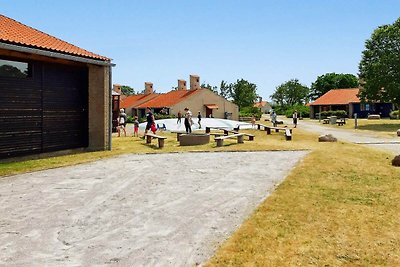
{"x":396,"y":161}
{"x":327,"y":138}
{"x":398,"y":132}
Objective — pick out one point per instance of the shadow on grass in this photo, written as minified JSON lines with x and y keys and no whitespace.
{"x":390,"y":127}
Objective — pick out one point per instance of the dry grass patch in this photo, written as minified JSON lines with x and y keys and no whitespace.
{"x":340,"y":206}
{"x":124,"y":145}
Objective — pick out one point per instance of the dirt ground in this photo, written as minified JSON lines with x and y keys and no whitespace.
{"x":134,"y":210}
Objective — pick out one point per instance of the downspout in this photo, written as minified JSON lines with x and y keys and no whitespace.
{"x":110,"y":100}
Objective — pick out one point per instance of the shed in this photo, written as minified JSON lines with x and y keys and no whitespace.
{"x":53,"y":95}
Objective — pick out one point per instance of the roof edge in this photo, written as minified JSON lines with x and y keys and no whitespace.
{"x":48,"y":53}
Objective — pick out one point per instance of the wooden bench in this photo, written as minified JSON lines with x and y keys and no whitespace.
{"x":220,"y":140}
{"x":341,"y":122}
{"x":277,"y":129}
{"x":250,"y":136}
{"x":161,"y":139}
{"x":325,"y":121}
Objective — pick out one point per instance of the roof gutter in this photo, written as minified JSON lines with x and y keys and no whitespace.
{"x":47,"y":53}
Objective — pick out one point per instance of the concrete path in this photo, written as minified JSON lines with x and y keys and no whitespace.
{"x":353,"y":136}
{"x":134,"y":210}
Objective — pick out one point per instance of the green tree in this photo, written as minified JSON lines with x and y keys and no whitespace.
{"x":225,"y":89}
{"x":329,"y":81}
{"x":243,"y":93}
{"x":380,"y":65}
{"x":127,"y":90}
{"x":213,"y":89}
{"x":290,"y":93}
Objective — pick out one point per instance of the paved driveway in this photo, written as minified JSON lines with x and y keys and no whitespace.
{"x":134,"y":210}
{"x":391,"y":144}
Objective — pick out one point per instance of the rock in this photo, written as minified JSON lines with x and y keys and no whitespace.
{"x":398,"y":132}
{"x":326,"y":138}
{"x":396,"y":161}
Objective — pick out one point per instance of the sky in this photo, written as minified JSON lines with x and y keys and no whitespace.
{"x":264,"y":42}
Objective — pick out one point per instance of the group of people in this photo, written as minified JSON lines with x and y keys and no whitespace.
{"x":150,"y":122}
{"x":273,"y":118}
{"x":188,"y":119}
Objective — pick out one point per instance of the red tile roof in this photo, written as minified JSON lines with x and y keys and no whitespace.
{"x":14,"y":32}
{"x":135,"y":100}
{"x":260,"y":104}
{"x":338,"y":97}
{"x":169,"y":99}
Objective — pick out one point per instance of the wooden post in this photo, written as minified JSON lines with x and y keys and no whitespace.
{"x":277,"y":130}
{"x":258,"y":126}
{"x":240,"y":139}
{"x":208,"y":129}
{"x":160,"y":142}
{"x":148,"y":139}
{"x":355,"y":121}
{"x":177,"y":136}
{"x":220,"y":142}
{"x":268,"y":130}
{"x":226,"y":132}
{"x":251,"y":138}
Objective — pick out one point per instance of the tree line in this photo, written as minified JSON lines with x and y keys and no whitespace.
{"x":378,"y":77}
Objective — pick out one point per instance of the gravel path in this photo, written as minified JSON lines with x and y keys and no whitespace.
{"x":134,"y":210}
{"x":353,"y":136}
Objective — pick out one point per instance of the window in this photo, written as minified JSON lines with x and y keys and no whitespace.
{"x":15,"y":69}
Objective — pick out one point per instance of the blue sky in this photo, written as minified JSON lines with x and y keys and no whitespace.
{"x":265,"y":42}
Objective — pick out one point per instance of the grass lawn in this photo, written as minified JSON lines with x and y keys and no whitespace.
{"x":339,"y":206}
{"x":123,"y":145}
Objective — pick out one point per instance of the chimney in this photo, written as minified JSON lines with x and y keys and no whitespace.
{"x":148,"y":88}
{"x":182,"y":85}
{"x":117,"y":88}
{"x":194,"y":82}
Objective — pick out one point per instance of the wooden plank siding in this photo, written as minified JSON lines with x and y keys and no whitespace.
{"x":45,"y":112}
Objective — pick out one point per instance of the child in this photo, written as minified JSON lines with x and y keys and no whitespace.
{"x":136,"y":127}
{"x":253,"y":122}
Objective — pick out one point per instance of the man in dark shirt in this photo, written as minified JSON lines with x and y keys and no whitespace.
{"x":150,"y":120}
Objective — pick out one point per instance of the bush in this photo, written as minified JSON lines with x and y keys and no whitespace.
{"x":129,"y":119}
{"x":303,"y":111}
{"x":394,"y":114}
{"x":159,"y":116}
{"x":250,"y":112}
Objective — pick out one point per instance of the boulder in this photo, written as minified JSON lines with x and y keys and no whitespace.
{"x":396,"y":161}
{"x":327,"y":138}
{"x":398,"y":132}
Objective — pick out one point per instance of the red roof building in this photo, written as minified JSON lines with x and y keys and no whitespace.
{"x":349,"y":101}
{"x":196,"y":99}
{"x":56,"y":96}
{"x":14,"y":32}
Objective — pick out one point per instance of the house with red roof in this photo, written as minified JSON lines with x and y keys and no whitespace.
{"x":197,"y":99}
{"x":54,"y":95}
{"x":264,"y":106}
{"x":349,"y":101}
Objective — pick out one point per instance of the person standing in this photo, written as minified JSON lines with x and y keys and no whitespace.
{"x":273,"y":118}
{"x":188,"y":120}
{"x":136,"y":127}
{"x":253,"y":122}
{"x":295,"y":115}
{"x":149,"y":119}
{"x":199,"y":119}
{"x":179,"y":117}
{"x":122,"y":118}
